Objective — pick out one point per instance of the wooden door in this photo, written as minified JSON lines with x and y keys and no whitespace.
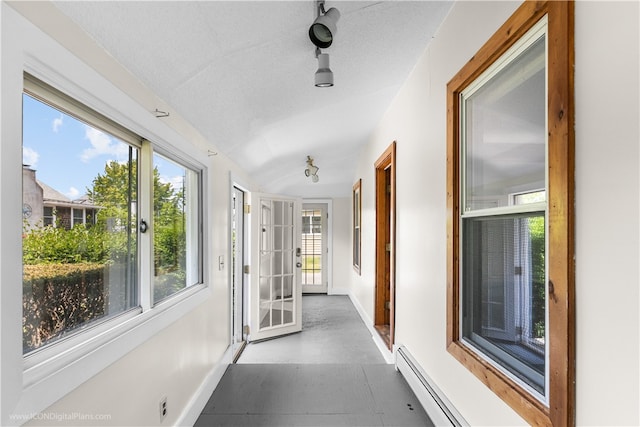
{"x":385,"y":245}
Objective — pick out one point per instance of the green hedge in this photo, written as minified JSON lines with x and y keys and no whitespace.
{"x":58,"y":298}
{"x":57,"y":245}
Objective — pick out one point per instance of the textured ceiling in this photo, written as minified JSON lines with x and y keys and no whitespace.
{"x":241,"y":73}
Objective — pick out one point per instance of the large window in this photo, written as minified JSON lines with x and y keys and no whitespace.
{"x":510,"y":285}
{"x":504,"y":150}
{"x":86,"y":183}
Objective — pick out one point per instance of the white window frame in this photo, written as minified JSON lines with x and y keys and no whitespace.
{"x":42,"y":382}
{"x":192,"y":259}
{"x":57,"y":100}
{"x":532,"y":36}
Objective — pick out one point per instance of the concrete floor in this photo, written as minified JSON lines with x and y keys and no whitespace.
{"x":330,"y":374}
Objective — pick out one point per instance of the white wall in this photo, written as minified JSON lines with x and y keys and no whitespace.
{"x":607,"y":194}
{"x":607,"y":213}
{"x":174,"y":354}
{"x":342,"y":255}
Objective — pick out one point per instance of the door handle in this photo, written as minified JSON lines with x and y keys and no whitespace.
{"x":298,"y":264}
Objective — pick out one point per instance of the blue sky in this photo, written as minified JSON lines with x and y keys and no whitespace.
{"x":67,"y":154}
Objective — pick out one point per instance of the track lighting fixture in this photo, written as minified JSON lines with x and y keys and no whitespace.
{"x":324,"y":27}
{"x":324,"y":75}
{"x":311,"y":170}
{"x":321,"y":34}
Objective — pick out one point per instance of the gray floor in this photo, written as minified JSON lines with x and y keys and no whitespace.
{"x":332,"y":332}
{"x":330,"y":374}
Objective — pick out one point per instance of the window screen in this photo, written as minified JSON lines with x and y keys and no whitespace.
{"x":503,"y":282}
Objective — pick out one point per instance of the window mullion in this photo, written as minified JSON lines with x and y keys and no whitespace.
{"x":145,"y":209}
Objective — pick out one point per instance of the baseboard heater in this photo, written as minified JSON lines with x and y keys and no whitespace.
{"x":439,"y":409}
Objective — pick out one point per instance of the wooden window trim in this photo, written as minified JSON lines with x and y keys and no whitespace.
{"x":357,"y":214}
{"x":561,"y":268}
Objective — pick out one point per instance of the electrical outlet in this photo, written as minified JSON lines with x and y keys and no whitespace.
{"x":163,"y":408}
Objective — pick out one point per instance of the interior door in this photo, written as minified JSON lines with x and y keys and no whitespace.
{"x":314,"y":248}
{"x":384,"y":315}
{"x":238,"y":280}
{"x":276,"y":294}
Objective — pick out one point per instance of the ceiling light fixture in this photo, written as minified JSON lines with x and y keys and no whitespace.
{"x":324,"y":27}
{"x":311,"y":170}
{"x":321,"y":34}
{"x":324,"y":75}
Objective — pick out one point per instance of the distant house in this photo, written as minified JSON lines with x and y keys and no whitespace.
{"x":45,"y":206}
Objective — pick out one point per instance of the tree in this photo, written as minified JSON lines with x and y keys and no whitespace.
{"x":115,"y":192}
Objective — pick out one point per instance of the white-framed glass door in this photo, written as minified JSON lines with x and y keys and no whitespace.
{"x":314,"y":248}
{"x":276,"y":294}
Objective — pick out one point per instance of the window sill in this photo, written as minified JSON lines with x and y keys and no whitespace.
{"x":509,"y":391}
{"x":81,"y":357}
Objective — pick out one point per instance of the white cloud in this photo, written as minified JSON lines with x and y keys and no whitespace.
{"x":73,"y":193}
{"x":102,"y":144}
{"x":176,"y":182}
{"x":30,"y":156}
{"x":57,"y":123}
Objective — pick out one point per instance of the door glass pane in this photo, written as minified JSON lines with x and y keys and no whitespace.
{"x":287,"y":240}
{"x":79,"y":247}
{"x":277,"y":212}
{"x":265,"y":264}
{"x":312,"y":246}
{"x":288,"y":213}
{"x":277,"y":288}
{"x":287,"y":312}
{"x":287,"y":286}
{"x":265,"y":289}
{"x":505,"y":122}
{"x":265,"y":315}
{"x":277,"y":263}
{"x":276,"y":313}
{"x":287,"y":262}
{"x":277,"y":236}
{"x":504,"y":288}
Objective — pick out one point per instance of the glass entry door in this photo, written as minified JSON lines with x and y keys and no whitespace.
{"x":314,"y":248}
{"x":276,"y":294}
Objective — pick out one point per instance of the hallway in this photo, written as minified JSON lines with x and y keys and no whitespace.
{"x":330,"y":374}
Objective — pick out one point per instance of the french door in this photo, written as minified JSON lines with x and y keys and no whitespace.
{"x":276,"y":261}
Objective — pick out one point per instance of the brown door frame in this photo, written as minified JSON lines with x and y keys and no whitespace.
{"x":385,"y":181}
